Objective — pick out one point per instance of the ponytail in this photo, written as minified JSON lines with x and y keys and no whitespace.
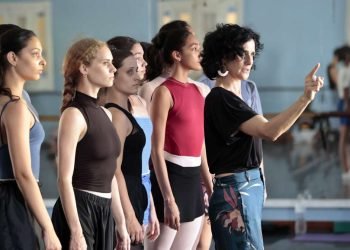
{"x":68,"y":94}
{"x":171,"y":36}
{"x":155,"y":63}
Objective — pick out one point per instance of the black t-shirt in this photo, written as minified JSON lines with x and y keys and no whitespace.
{"x":228,"y":148}
{"x":98,"y":150}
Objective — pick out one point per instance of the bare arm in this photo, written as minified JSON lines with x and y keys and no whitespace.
{"x":123,"y":127}
{"x":72,"y":127}
{"x":153,"y":229}
{"x":146,"y":93}
{"x":18,"y":121}
{"x":123,"y":239}
{"x":206,"y":176}
{"x":259,"y":126}
{"x":161,"y":104}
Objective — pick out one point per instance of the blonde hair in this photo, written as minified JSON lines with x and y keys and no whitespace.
{"x":81,"y":52}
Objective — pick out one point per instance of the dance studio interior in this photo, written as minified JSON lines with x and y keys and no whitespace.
{"x":308,"y":188}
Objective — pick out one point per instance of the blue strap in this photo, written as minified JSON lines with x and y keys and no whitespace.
{"x":2,"y":111}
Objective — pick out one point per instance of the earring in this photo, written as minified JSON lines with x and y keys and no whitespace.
{"x":222,"y":74}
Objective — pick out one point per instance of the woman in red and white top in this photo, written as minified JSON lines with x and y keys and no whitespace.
{"x":177,"y":108}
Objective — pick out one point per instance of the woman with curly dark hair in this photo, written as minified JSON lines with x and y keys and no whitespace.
{"x":233,"y":133}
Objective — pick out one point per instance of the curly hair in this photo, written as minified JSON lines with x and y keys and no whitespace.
{"x":226,"y":43}
{"x":81,"y":52}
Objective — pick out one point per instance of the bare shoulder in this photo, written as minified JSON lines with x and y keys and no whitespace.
{"x":142,"y":101}
{"x":147,"y":87}
{"x":147,"y":90}
{"x":108,"y":113}
{"x":73,"y":118}
{"x":162,"y":99}
{"x":16,"y":112}
{"x":150,"y":86}
{"x":161,"y":92}
{"x":120,"y":121}
{"x":137,"y":101}
{"x":117,"y":114}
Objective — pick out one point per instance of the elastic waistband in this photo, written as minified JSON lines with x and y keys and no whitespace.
{"x":244,"y":176}
{"x":174,"y":169}
{"x":13,"y":181}
{"x":92,"y":198}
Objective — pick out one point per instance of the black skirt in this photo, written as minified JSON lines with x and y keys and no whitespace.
{"x":16,"y":222}
{"x":185,"y":184}
{"x":95,"y":219}
{"x":137,"y":195}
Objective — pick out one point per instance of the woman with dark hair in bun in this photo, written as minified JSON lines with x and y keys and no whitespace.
{"x":178,"y":151}
{"x":233,"y":133}
{"x":158,"y":70}
{"x":21,"y":136}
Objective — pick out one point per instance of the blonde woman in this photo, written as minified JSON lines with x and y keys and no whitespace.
{"x":88,"y":147}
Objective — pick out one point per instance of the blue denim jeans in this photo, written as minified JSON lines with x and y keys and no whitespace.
{"x":235,"y":211}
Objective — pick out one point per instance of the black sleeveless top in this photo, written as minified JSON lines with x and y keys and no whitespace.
{"x":133,"y":146}
{"x":97,"y":151}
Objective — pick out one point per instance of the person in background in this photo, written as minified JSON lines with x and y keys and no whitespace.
{"x":21,"y":135}
{"x":88,"y":147}
{"x":341,"y":76}
{"x":233,"y":131}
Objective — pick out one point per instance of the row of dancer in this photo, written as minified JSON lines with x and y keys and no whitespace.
{"x":108,"y":142}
